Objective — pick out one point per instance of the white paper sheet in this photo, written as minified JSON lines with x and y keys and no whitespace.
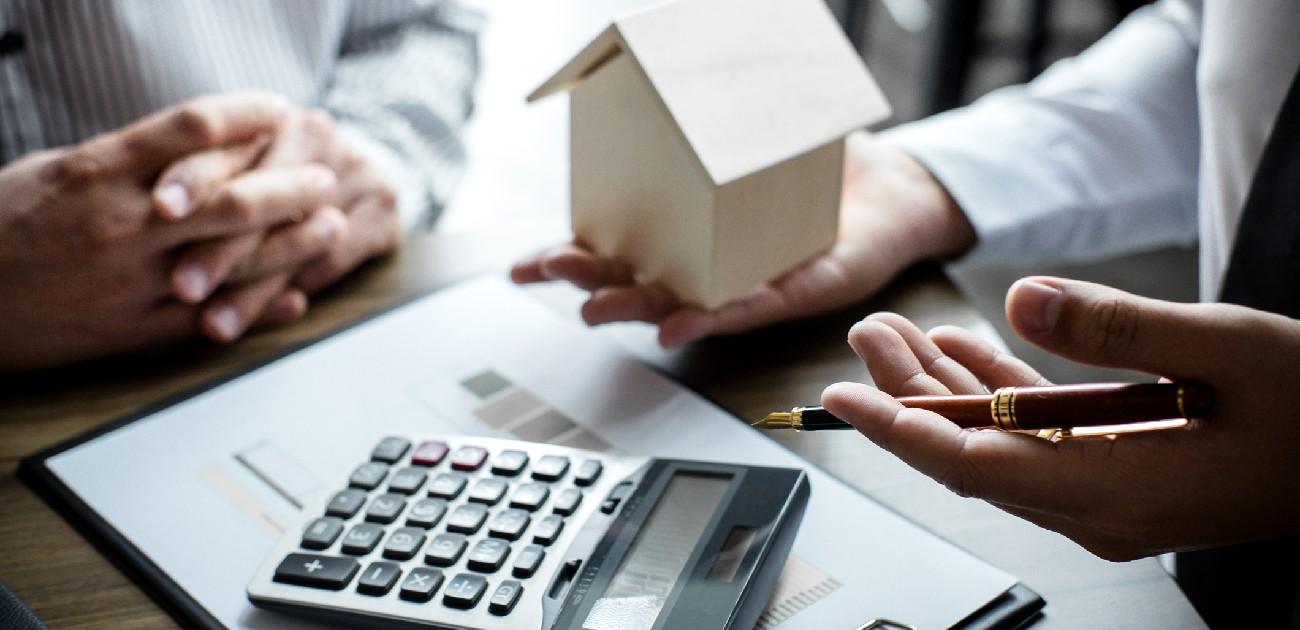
{"x":189,"y":485}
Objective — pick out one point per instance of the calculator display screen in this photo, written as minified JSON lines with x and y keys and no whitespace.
{"x":646,"y":575}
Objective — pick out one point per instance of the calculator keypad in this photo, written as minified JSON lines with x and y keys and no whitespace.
{"x":434,"y":522}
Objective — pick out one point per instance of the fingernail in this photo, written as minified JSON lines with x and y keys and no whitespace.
{"x":176,"y":198}
{"x":226,"y":322}
{"x":326,"y":228}
{"x":192,"y":283}
{"x":1041,"y":306}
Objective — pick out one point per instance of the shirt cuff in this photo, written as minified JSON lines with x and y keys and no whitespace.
{"x":412,"y":192}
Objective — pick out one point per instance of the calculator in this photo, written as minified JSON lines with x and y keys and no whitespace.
{"x":461,"y":532}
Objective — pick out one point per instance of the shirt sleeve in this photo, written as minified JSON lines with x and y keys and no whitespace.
{"x":1095,"y":158}
{"x":402,"y":93}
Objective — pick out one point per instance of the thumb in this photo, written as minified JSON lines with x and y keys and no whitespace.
{"x":1099,"y":325}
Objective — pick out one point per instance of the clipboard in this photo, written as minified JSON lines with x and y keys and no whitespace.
{"x":1012,"y":607}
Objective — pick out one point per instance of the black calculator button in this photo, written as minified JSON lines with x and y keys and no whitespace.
{"x":346,"y":503}
{"x":362,"y":538}
{"x":403,"y":543}
{"x":488,"y":491}
{"x":426,"y":513}
{"x":420,"y":584}
{"x":528,"y":560}
{"x":503,"y":599}
{"x":467,"y":518}
{"x":530,"y":496}
{"x":368,"y":476}
{"x":550,"y":468}
{"x":468,"y":458}
{"x":385,"y":508}
{"x":509,"y":524}
{"x":509,"y":463}
{"x":444,"y":550}
{"x":408,"y":480}
{"x":464,"y":590}
{"x":322,"y":533}
{"x":587,"y":473}
{"x":622,"y":491}
{"x":306,"y":569}
{"x":429,"y":453}
{"x":379,"y":578}
{"x":487,"y":555}
{"x":548,"y":529}
{"x":390,"y":449}
{"x":566,"y":501}
{"x":447,"y":485}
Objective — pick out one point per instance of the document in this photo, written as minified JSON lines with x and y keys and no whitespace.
{"x":204,"y":487}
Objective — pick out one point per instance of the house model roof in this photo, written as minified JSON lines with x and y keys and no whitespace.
{"x":749,"y":83}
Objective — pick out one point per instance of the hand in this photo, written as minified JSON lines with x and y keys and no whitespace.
{"x":298,"y":257}
{"x":893,"y":214}
{"x":1225,"y":478}
{"x":83,"y":258}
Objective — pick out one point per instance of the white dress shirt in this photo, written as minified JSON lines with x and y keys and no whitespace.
{"x":1150,"y":137}
{"x":397,"y":75}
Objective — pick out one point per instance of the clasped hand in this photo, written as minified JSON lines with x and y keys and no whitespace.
{"x":206,"y":217}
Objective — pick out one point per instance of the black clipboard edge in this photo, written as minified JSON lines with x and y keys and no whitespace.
{"x":1012,"y":609}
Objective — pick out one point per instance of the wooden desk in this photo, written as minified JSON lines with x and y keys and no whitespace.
{"x":70,"y":584}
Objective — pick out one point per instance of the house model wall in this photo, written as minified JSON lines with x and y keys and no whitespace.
{"x":707,"y":140}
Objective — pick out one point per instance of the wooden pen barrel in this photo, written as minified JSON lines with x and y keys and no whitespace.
{"x":1066,"y":406}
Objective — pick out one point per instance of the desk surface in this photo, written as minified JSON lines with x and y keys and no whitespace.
{"x":70,"y":584}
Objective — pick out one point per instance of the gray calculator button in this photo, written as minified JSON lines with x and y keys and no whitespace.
{"x":504,"y":598}
{"x":390,"y":449}
{"x":308,"y":569}
{"x":566,"y":501}
{"x":426,"y":513}
{"x":444,"y":550}
{"x":362,"y":538}
{"x":487,"y":491}
{"x":509,"y":524}
{"x":379,"y":578}
{"x":347,"y":503}
{"x":447,"y":485}
{"x":527,"y":561}
{"x":420,"y":584}
{"x":385,"y":508}
{"x":587,"y":473}
{"x":530,"y":496}
{"x":407,"y":480}
{"x":550,"y":468}
{"x":487,"y":555}
{"x":403,"y":543}
{"x":368,"y":476}
{"x":322,"y":533}
{"x":464,"y":591}
{"x":548,"y":529}
{"x":467,"y":518}
{"x":509,"y":463}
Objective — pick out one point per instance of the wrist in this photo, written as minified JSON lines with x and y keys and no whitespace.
{"x":940,"y":228}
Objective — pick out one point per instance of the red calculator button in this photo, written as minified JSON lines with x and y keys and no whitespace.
{"x":429,"y":453}
{"x":468,"y":458}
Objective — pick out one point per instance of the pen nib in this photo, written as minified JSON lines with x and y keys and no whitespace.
{"x":775,"y":421}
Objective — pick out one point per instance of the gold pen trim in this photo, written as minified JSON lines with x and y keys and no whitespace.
{"x":1002,"y":408}
{"x":1182,"y":410}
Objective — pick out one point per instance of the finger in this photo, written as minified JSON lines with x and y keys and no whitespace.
{"x":306,"y":137}
{"x":196,"y":125}
{"x":1102,"y":326}
{"x":232,"y":311}
{"x":1008,"y":468}
{"x":943,"y":368}
{"x":257,"y":200}
{"x":989,"y":364}
{"x":201,"y":268}
{"x":584,"y":268}
{"x":192,"y":179}
{"x":763,"y":306}
{"x":893,"y":366}
{"x":373,"y":229}
{"x":293,"y":245}
{"x":646,"y":303}
{"x":287,"y":307}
